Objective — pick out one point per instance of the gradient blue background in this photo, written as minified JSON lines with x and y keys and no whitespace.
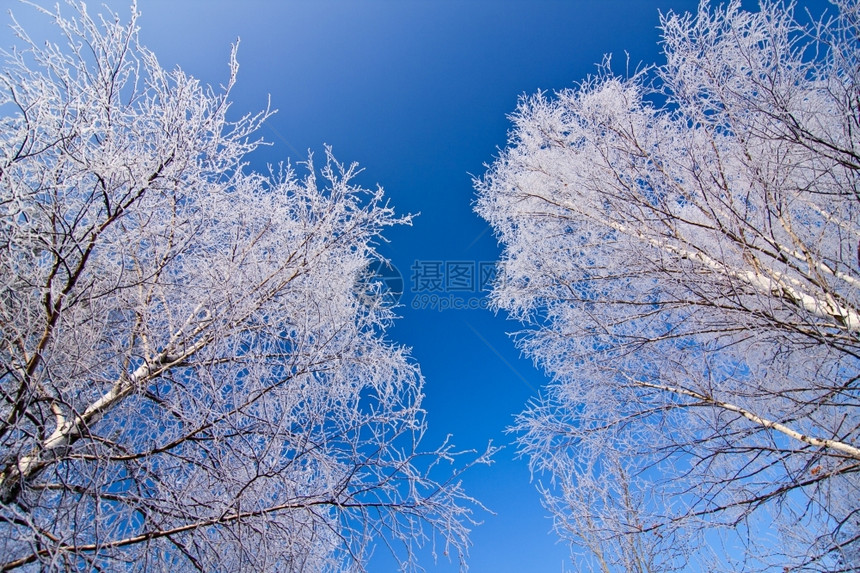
{"x":417,"y":92}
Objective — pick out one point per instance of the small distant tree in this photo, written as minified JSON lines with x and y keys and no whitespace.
{"x":683,"y":248}
{"x":190,"y":378}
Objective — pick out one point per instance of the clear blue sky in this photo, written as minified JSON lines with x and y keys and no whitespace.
{"x":417,"y":92}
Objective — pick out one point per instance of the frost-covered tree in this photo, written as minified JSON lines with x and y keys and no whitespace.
{"x":682,"y":246}
{"x":189,"y":377}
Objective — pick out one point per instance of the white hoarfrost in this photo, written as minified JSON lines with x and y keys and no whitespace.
{"x":682,"y":247}
{"x":190,"y":378}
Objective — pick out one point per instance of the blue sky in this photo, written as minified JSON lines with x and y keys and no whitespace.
{"x":417,"y":92}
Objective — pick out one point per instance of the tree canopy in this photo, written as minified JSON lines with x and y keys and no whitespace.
{"x":190,"y":378}
{"x":683,"y":247}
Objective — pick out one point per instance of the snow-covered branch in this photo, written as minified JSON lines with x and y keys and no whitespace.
{"x":700,"y":251}
{"x":190,"y":377}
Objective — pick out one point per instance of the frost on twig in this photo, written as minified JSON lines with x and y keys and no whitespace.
{"x":688,"y":274}
{"x":190,"y":376}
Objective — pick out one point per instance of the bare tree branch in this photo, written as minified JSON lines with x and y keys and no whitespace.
{"x":688,"y":273}
{"x":192,"y":375}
